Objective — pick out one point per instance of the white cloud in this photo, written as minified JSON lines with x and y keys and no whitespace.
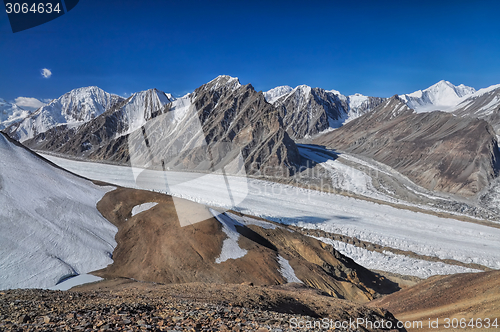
{"x":28,"y":102}
{"x":46,"y":73}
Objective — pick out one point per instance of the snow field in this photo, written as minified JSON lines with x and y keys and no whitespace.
{"x":51,"y":228}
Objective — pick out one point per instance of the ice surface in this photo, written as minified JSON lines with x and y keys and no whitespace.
{"x":391,"y":262}
{"x":51,"y":228}
{"x":76,"y":281}
{"x":380,"y":224}
{"x":245,"y":220}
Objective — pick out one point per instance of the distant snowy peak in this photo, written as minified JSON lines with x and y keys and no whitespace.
{"x":73,"y":108}
{"x":309,"y":111}
{"x":11,"y":113}
{"x":142,"y":107}
{"x":484,"y":104}
{"x":276,"y":93}
{"x":360,"y":104}
{"x":440,"y":96}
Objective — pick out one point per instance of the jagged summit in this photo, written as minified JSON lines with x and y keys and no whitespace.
{"x":440,"y":96}
{"x":224,"y":82}
{"x":309,"y":111}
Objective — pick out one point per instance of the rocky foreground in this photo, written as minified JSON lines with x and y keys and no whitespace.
{"x":125,"y":305}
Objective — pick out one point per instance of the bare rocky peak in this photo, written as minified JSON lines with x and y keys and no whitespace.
{"x":436,"y":150}
{"x":310,"y":111}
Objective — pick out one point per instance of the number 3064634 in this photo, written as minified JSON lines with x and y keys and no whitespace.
{"x":35,"y":8}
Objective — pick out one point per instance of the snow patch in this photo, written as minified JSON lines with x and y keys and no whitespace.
{"x":143,"y":207}
{"x":230,"y":247}
{"x":287,"y":271}
{"x":78,"y":280}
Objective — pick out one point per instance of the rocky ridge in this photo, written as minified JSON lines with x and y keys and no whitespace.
{"x":308,"y":111}
{"x":435,"y":150}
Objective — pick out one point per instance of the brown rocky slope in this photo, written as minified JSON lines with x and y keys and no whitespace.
{"x":153,"y":246}
{"x":461,"y":296}
{"x":435,"y":150}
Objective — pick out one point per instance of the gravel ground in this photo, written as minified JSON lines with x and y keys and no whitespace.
{"x":126,"y":306}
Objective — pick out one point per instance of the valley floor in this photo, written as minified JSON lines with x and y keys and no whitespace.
{"x":445,"y":240}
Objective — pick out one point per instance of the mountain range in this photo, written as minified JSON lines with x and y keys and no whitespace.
{"x":221,"y":120}
{"x":436,"y":150}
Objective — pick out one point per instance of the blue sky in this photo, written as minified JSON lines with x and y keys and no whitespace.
{"x":376,"y":48}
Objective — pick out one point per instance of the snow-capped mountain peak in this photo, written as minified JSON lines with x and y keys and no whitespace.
{"x":10,"y":113}
{"x":143,"y":106}
{"x":224,"y":82}
{"x":441,"y":96}
{"x":73,"y":108}
{"x":276,"y":93}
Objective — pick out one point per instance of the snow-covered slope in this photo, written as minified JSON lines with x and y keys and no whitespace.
{"x":10,"y":113}
{"x":141,"y":107}
{"x":441,"y":96}
{"x":276,"y":93}
{"x":50,"y":226}
{"x":73,"y":108}
{"x":484,"y":104}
